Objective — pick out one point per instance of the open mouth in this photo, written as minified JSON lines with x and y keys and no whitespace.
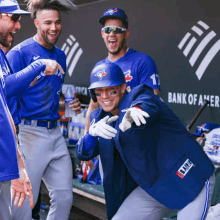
{"x":107,"y":103}
{"x":112,"y":43}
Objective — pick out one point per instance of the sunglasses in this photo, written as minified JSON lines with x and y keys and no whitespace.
{"x":14,"y":17}
{"x":116,"y":30}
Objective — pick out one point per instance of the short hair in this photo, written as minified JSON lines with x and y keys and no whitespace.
{"x":59,"y":5}
{"x":124,"y":24}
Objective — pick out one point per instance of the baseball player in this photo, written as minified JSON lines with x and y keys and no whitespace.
{"x":151,"y":163}
{"x":12,"y":163}
{"x":41,"y":141}
{"x":138,"y":68}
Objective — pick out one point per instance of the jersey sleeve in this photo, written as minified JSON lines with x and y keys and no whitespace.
{"x":16,"y":61}
{"x":147,"y":72}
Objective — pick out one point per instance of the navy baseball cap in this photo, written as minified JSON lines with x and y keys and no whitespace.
{"x":207,"y":127}
{"x":11,"y":7}
{"x":114,"y":13}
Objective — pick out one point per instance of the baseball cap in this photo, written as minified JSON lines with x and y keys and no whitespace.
{"x":11,"y":7}
{"x":205,"y":128}
{"x":116,"y":13}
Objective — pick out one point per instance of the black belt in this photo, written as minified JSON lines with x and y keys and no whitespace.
{"x":43,"y":123}
{"x":17,"y":129}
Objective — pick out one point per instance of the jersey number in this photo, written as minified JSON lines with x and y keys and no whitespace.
{"x":153,"y":77}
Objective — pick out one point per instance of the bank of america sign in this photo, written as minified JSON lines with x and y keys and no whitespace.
{"x":73,"y":52}
{"x":188,"y":41}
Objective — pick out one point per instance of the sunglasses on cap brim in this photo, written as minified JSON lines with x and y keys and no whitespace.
{"x":116,"y":30}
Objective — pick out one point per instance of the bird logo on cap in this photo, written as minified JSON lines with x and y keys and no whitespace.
{"x":112,"y":11}
{"x":101,"y":74}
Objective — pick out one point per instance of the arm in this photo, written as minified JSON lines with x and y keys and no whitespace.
{"x":148,"y":74}
{"x":22,"y":186}
{"x":92,"y":107}
{"x":15,"y":83}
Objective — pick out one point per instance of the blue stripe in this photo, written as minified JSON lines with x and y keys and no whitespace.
{"x":207,"y":200}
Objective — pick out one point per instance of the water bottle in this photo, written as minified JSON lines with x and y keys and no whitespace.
{"x":69,"y":96}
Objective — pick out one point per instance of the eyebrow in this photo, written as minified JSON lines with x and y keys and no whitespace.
{"x":51,"y":20}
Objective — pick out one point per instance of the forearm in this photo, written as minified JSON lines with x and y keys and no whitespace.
{"x":16,"y":83}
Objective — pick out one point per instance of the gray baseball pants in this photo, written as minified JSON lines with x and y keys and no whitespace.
{"x":47,"y":158}
{"x":141,"y":206}
{"x":5,"y":200}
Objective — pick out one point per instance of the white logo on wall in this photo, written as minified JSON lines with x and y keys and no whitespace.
{"x":204,"y":42}
{"x":73,"y":53}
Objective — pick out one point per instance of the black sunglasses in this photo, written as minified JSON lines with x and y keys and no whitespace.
{"x":116,"y":30}
{"x":14,"y":17}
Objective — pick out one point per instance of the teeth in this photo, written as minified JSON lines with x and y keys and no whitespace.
{"x":107,"y":102}
{"x":112,"y":40}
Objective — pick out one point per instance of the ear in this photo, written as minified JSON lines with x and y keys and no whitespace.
{"x":36,"y":23}
{"x":102,"y":33}
{"x":127,"y":34}
{"x":123,"y":87}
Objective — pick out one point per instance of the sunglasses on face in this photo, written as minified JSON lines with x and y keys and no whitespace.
{"x":116,"y":30}
{"x":14,"y":17}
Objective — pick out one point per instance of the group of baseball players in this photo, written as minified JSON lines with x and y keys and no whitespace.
{"x":151,"y":164}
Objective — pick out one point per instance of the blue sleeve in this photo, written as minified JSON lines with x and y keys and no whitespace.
{"x":147,"y":72}
{"x":148,"y":103}
{"x":87,"y":147}
{"x":19,"y":81}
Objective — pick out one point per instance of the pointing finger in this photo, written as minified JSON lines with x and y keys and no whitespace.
{"x":60,"y":68}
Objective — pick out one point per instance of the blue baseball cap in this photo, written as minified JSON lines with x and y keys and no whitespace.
{"x":114,"y":13}
{"x":11,"y":7}
{"x":106,"y":75}
{"x":205,"y":128}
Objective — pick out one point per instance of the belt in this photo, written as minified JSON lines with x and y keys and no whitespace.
{"x":42,"y":123}
{"x":17,"y":129}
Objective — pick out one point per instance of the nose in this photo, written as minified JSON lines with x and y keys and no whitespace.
{"x":112,"y":33}
{"x":17,"y":25}
{"x":105,"y":94}
{"x":53,"y":26}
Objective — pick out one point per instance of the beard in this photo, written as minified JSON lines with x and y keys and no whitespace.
{"x":3,"y":40}
{"x":47,"y":41}
{"x":119,"y":48}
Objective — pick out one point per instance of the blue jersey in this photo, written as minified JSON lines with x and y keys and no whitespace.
{"x":138,"y":68}
{"x":40,"y":101}
{"x":8,"y":153}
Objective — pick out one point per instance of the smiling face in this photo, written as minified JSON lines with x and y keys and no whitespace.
{"x":110,"y":97}
{"x":48,"y":24}
{"x":115,"y":43}
{"x":7,"y":28}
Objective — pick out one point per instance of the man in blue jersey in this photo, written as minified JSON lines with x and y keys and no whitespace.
{"x":152,"y":164}
{"x":41,"y":141}
{"x":138,"y":68}
{"x":12,"y":163}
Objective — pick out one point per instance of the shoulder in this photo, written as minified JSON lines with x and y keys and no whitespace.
{"x":26,"y":44}
{"x":95,"y":115}
{"x":60,"y":52}
{"x":141,"y":89}
{"x":100,"y":62}
{"x":141,"y":57}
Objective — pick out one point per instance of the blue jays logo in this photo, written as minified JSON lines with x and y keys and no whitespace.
{"x":112,"y":11}
{"x":128,"y":76}
{"x":101,"y":74}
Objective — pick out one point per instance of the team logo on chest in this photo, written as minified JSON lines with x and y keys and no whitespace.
{"x":101,"y":74}
{"x":185,"y":168}
{"x":128,"y":76}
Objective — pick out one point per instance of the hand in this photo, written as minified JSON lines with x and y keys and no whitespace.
{"x":75,"y":105}
{"x":133,"y":115}
{"x":103,"y":129}
{"x":22,"y":187}
{"x":51,"y":68}
{"x":89,"y":164}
